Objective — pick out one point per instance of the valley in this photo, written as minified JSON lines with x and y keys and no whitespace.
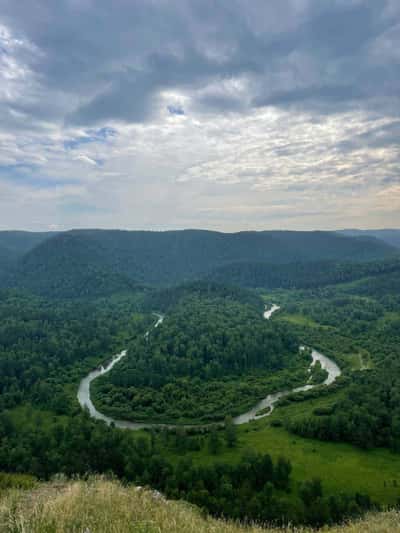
{"x":263,"y":408}
{"x":223,"y":403}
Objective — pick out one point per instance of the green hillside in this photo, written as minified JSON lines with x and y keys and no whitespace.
{"x":301,"y":275}
{"x":61,"y":265}
{"x":18,"y":243}
{"x":390,"y":236}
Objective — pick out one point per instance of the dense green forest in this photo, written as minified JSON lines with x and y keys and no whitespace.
{"x":360,"y":323}
{"x":212,"y":357}
{"x":80,"y":297}
{"x":43,"y":345}
{"x":17,"y":243}
{"x":301,"y":275}
{"x":164,"y":299}
{"x":258,"y":487}
{"x":47,"y":346}
{"x":13,"y":246}
{"x":390,"y":236}
{"x":94,"y":263}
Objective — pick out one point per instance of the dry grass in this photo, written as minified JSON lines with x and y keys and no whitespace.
{"x":101,"y":506}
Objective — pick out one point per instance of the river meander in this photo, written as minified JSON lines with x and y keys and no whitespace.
{"x":266,"y":405}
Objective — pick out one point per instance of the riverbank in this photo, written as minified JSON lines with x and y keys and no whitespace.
{"x":266,"y":405}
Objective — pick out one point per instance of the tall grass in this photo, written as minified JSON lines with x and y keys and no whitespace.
{"x":103,"y":506}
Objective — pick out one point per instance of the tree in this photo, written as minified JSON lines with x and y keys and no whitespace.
{"x":214,"y":443}
{"x":282,"y":473}
{"x":310,"y":491}
{"x":230,"y":432}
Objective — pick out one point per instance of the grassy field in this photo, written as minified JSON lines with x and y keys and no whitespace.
{"x":299,"y":320}
{"x":341,"y":467}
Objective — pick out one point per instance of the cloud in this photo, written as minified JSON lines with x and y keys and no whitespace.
{"x":85,"y":159}
{"x":289,"y":52}
{"x":169,"y":113}
{"x":175,"y":110}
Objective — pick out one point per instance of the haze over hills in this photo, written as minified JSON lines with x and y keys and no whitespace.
{"x":390,"y":236}
{"x":14,"y":244}
{"x":17,"y":243}
{"x":89,"y":262}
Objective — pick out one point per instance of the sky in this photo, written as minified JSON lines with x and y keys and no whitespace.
{"x":218,"y":114}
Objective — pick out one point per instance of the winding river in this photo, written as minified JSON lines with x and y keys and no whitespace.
{"x":84,"y":390}
{"x":265,"y":405}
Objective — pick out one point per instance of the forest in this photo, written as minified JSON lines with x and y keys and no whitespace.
{"x":360,"y":323}
{"x":45,"y":345}
{"x":94,"y":263}
{"x":213,"y":357}
{"x":259,"y":488}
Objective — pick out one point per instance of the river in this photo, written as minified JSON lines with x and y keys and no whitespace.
{"x":268,"y":402}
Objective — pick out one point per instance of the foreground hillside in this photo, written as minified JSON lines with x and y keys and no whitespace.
{"x":99,"y":506}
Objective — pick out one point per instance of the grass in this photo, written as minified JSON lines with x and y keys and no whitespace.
{"x":300,"y":320}
{"x":104,"y":506}
{"x":341,"y":467}
{"x":360,"y":360}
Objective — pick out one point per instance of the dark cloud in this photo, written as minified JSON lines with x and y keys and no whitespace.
{"x":110,"y":60}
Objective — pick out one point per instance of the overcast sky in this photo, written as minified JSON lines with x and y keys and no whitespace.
{"x":219,"y":114}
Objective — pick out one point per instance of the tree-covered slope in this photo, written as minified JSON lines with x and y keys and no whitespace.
{"x":361,"y":321}
{"x":18,"y":243}
{"x":212,"y":356}
{"x":13,"y":246}
{"x":301,"y":275}
{"x":6,"y":260}
{"x":174,"y":256}
{"x":390,"y":236}
{"x":67,"y":266}
{"x":166,"y":298}
{"x":42,"y":341}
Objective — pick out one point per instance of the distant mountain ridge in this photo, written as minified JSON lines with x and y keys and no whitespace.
{"x":89,"y":262}
{"x":390,"y":236}
{"x":15,"y":244}
{"x":301,"y":275}
{"x":18,"y":243}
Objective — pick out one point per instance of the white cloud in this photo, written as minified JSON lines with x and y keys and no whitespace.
{"x":85,"y":159}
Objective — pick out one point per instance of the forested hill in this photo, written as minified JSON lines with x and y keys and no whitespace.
{"x":390,"y":236}
{"x":60,"y":264}
{"x":166,"y":298}
{"x":14,"y":244}
{"x":301,"y":275}
{"x":211,"y":358}
{"x":66,"y":266}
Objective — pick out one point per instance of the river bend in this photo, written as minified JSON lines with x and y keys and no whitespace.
{"x":268,"y":402}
